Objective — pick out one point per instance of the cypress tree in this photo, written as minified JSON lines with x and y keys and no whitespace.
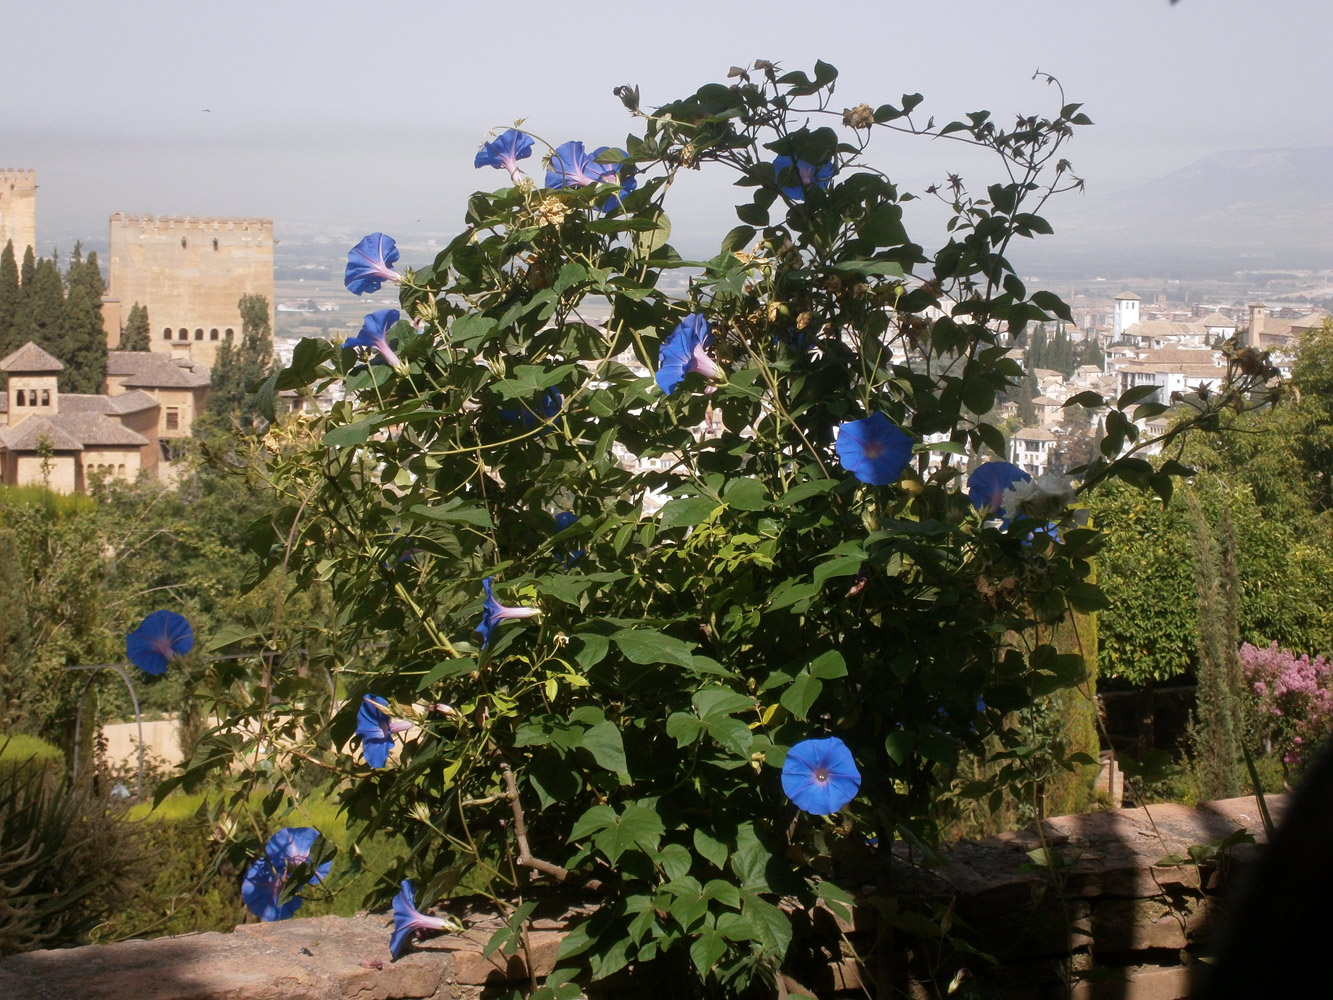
{"x":1037,"y":351}
{"x":9,"y":299}
{"x":239,"y":366}
{"x":29,"y":266}
{"x":42,"y":307}
{"x":85,"y":338}
{"x":135,"y":335}
{"x":1218,"y":726}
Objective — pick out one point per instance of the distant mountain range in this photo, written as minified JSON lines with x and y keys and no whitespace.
{"x":1251,"y":210}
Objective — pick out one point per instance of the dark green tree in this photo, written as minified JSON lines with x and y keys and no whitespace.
{"x":238,"y":366}
{"x":29,"y":269}
{"x":9,"y":298}
{"x":1091,"y":353}
{"x":1037,"y":350}
{"x":84,"y":341}
{"x":134,"y":337}
{"x":1218,"y":727}
{"x":42,"y":308}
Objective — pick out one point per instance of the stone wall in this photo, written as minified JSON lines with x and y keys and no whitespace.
{"x":189,"y":273}
{"x":1095,"y":918}
{"x":18,"y":210}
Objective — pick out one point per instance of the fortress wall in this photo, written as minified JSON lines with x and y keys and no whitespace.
{"x":18,"y":210}
{"x":190,"y":273}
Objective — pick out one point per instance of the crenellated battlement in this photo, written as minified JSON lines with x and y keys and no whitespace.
{"x":18,"y":177}
{"x":177,"y":224}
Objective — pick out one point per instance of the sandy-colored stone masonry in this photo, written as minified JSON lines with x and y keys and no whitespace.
{"x":190,"y":273}
{"x":18,"y":210}
{"x":1110,"y":920}
{"x":32,"y":395}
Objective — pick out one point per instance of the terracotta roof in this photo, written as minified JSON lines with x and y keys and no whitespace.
{"x":1174,"y":356}
{"x":71,"y":432}
{"x":145,"y":369}
{"x":28,"y":435}
{"x":31,"y":358}
{"x":127,"y":402}
{"x":1217,"y":319}
{"x":1034,"y":434}
{"x":1045,"y":401}
{"x":1127,"y":295}
{"x":1165,"y":328}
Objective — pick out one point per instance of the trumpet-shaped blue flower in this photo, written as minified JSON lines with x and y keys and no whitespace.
{"x":563,"y":520}
{"x":874,"y":450}
{"x":807,"y":175}
{"x":263,"y":882}
{"x":376,"y":729}
{"x":370,"y":264}
{"x":408,"y":920}
{"x":571,"y":167}
{"x":505,"y":151}
{"x":987,"y":485}
{"x":493,"y":613}
{"x":550,"y":405}
{"x":820,"y":776}
{"x":374,"y":335}
{"x":160,"y":637}
{"x":686,"y":350}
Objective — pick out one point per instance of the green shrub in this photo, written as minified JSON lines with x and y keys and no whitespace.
{"x":66,"y":859}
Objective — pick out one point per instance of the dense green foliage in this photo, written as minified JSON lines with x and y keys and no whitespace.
{"x":1267,"y":471}
{"x":66,"y":860}
{"x":239,"y":367}
{"x":134,"y":336}
{"x":62,"y":314}
{"x":636,"y":732}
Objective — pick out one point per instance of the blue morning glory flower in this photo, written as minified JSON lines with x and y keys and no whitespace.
{"x":407,"y":919}
{"x":611,"y":173}
{"x":987,"y":485}
{"x":563,"y":520}
{"x":493,"y":613}
{"x":874,"y":450}
{"x":370,"y":264}
{"x":263,"y":882}
{"x":374,"y":335}
{"x":161,"y":637}
{"x":550,"y":405}
{"x":820,"y":776}
{"x":505,"y":151}
{"x":808,"y":175}
{"x":571,"y":167}
{"x":686,"y":350}
{"x":376,"y":729}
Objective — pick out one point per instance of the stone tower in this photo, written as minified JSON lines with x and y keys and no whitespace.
{"x":189,"y":273}
{"x":18,"y":210}
{"x":1126,"y":313}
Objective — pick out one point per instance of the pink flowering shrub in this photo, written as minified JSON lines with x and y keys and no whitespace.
{"x":1294,"y":697}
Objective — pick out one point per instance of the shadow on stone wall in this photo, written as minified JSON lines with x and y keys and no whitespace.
{"x":1101,"y":920}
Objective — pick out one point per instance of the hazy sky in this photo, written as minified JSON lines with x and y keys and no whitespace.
{"x":370,"y":113}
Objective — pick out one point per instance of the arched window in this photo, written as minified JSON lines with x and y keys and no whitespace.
{"x":166,"y":334}
{"x":215,"y":245}
{"x":32,"y":397}
{"x":19,"y":396}
{"x":199,"y":333}
{"x":120,"y":470}
{"x":46,"y":397}
{"x":213,"y":333}
{"x":229,"y":333}
{"x":182,"y":334}
{"x":182,"y":242}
